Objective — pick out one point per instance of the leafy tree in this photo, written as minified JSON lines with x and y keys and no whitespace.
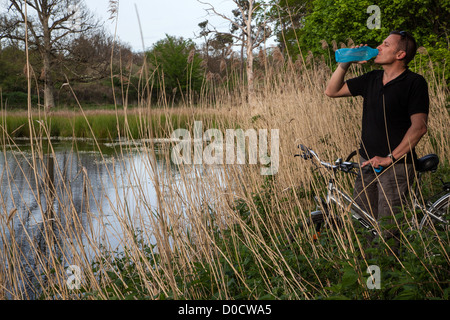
{"x":13,"y":80}
{"x":176,"y":67}
{"x":339,"y":21}
{"x":344,"y":20}
{"x":287,"y":17}
{"x":12,"y":61}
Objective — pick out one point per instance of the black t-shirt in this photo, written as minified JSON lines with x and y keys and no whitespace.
{"x":385,"y":124}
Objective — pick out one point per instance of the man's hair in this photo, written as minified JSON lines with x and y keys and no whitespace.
{"x":407,"y":43}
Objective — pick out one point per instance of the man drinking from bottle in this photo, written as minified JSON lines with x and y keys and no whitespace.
{"x":395,"y":113}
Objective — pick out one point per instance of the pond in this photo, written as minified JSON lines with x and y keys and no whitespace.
{"x":87,"y":194}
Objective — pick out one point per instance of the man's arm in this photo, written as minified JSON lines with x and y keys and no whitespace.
{"x":336,"y":86}
{"x":412,"y":137}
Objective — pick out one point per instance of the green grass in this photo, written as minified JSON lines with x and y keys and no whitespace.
{"x":108,"y":126}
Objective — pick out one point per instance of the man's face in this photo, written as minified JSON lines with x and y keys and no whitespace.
{"x":388,"y":51}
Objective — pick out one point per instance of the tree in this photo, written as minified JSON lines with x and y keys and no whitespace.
{"x":288,"y":16}
{"x":344,"y":20}
{"x":48,"y":26}
{"x":217,"y":47}
{"x":219,"y":43}
{"x":253,"y":30}
{"x":11,"y":70}
{"x":176,"y":67}
{"x":89,"y":56}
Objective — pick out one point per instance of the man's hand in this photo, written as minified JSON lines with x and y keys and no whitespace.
{"x":378,"y":161}
{"x":359,"y":46}
{"x":336,"y":86}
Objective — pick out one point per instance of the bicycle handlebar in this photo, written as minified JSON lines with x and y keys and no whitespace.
{"x":345,"y":166}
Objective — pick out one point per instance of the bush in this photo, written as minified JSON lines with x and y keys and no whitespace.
{"x":18,"y":100}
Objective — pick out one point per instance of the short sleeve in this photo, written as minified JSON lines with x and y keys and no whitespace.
{"x":419,"y":101}
{"x":357,"y":86}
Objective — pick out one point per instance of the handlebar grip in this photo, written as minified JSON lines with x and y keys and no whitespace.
{"x":379,"y":169}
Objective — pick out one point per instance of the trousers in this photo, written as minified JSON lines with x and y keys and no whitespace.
{"x":383,"y":194}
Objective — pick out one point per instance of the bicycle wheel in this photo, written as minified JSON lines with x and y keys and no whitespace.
{"x":439,"y":217}
{"x":435,"y":230}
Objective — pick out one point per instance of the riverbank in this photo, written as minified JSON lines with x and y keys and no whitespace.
{"x":216,"y":231}
{"x":104,"y":124}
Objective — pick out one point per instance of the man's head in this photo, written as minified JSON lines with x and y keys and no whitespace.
{"x":398,"y":46}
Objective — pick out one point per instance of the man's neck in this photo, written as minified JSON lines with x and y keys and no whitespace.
{"x":392,"y":71}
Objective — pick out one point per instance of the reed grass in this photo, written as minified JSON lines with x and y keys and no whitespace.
{"x":215,"y":232}
{"x":105,"y":124}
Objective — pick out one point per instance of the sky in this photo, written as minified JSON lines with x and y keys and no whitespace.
{"x":159,"y":17}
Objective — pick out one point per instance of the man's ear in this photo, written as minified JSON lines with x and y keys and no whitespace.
{"x":401,"y":54}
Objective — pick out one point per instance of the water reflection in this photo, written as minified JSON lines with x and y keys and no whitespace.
{"x":72,"y":197}
{"x":59,"y":207}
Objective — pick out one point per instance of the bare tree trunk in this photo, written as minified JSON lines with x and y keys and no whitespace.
{"x":49,"y":101}
{"x":250,"y":85}
{"x":246,"y":28}
{"x":242,"y":56}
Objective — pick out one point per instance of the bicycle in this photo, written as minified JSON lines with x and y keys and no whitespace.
{"x":435,"y":213}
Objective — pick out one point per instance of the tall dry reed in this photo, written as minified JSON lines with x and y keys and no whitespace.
{"x":165,"y":241}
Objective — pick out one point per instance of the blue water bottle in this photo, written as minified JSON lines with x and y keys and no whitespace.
{"x":355,"y":54}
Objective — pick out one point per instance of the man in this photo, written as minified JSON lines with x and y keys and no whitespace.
{"x":395,"y":113}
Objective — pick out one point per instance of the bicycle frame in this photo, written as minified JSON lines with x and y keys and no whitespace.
{"x":345,"y":201}
{"x":334,"y":195}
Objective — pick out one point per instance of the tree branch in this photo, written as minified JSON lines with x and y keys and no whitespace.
{"x":222,"y":15}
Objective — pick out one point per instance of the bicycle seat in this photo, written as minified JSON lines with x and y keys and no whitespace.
{"x":427,"y":163}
